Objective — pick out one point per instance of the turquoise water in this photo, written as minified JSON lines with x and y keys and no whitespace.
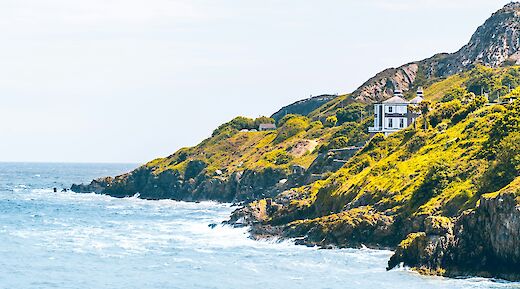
{"x":68,"y":240}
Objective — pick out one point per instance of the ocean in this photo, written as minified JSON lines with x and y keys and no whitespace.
{"x":67,"y":240}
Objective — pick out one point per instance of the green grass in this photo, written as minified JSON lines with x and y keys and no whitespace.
{"x":440,"y":171}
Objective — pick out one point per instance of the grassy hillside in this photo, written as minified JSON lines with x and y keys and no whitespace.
{"x":239,"y":163}
{"x":469,"y":149}
{"x":297,"y":141}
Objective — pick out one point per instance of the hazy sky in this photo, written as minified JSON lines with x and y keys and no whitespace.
{"x":131,"y":80}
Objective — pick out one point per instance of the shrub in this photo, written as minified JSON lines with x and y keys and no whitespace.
{"x":455,"y":93}
{"x":444,"y":111}
{"x":278,"y":157}
{"x":263,"y":119}
{"x":331,"y":121}
{"x":507,"y":165}
{"x":291,"y":127}
{"x":436,"y":180}
{"x":237,"y":124}
{"x":462,"y":113}
{"x":374,"y":141}
{"x":350,"y":113}
{"x":338,"y":142}
{"x":356,"y":133}
{"x":417,"y":142}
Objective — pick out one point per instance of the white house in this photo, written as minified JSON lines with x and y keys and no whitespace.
{"x":393,"y":114}
{"x":266,"y":126}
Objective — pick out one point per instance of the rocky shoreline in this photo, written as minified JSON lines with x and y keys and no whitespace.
{"x":480,"y":242}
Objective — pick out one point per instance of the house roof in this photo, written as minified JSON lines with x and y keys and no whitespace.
{"x":396,"y":99}
{"x":267,"y":126}
{"x":416,"y":100}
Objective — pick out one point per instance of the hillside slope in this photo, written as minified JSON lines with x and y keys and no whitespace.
{"x":420,"y":182}
{"x":239,"y":163}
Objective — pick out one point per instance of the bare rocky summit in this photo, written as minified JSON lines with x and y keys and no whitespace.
{"x":494,"y":44}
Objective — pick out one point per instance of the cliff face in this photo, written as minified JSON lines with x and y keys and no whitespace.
{"x":240,"y":186}
{"x":482,"y":241}
{"x":495,"y":43}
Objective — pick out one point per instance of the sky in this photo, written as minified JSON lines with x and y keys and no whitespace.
{"x":132,"y":80}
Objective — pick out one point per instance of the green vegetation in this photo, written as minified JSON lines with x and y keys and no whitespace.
{"x":351,"y":113}
{"x":466,"y":149}
{"x":297,"y":141}
{"x":411,"y":181}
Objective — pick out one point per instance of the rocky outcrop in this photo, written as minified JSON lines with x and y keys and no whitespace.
{"x":494,"y":44}
{"x":349,"y":229}
{"x":483,"y":242}
{"x":383,"y":84}
{"x":196,"y":185}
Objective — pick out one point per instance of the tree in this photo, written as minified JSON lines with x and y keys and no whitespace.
{"x":424,"y":107}
{"x":352,"y":112}
{"x":263,"y":119}
{"x":414,"y":110}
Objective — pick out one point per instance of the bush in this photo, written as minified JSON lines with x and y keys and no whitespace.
{"x":374,"y":141}
{"x":436,"y":180}
{"x":356,"y":133}
{"x":455,"y":93}
{"x":444,"y":111}
{"x":235,"y":125}
{"x":278,"y":157}
{"x":417,"y":142}
{"x":291,"y":127}
{"x":337,"y":143}
{"x":507,"y":165}
{"x":331,"y":121}
{"x":263,"y":119}
{"x":350,"y":113}
{"x":462,"y":113}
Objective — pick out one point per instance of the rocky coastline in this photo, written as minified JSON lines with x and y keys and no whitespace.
{"x":444,"y":194}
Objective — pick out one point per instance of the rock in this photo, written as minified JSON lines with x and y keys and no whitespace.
{"x":495,"y":43}
{"x":482,"y":242}
{"x":96,"y":186}
{"x":438,"y":225}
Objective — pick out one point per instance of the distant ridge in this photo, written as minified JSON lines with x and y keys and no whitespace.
{"x":494,"y":44}
{"x":304,"y":106}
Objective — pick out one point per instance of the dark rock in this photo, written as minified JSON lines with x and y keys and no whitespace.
{"x":483,"y":242}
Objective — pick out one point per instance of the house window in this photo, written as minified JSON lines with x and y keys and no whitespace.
{"x":390,"y":123}
{"x":390,"y":109}
{"x":401,"y":122}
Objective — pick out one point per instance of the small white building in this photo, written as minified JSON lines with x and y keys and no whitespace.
{"x":266,"y":126}
{"x":393,"y":114}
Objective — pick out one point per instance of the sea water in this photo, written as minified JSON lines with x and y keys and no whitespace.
{"x":67,"y":240}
